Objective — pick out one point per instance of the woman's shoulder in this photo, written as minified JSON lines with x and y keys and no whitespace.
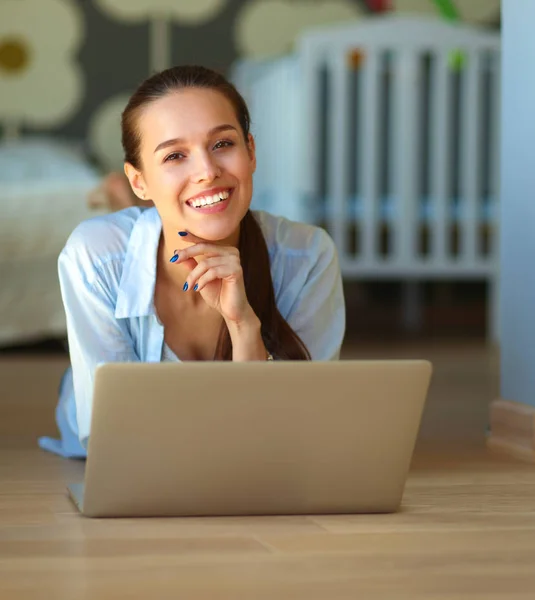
{"x":97,"y":249}
{"x":293,"y":239}
{"x":101,"y":237}
{"x":302,"y":256}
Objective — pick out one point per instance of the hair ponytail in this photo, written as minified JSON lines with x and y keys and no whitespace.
{"x":280,"y":339}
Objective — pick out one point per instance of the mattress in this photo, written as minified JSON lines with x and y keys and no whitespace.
{"x":44,"y":186}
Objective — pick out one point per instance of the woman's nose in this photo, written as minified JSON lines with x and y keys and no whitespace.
{"x":205,"y":168}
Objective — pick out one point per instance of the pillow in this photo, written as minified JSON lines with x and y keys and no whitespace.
{"x":30,"y":160}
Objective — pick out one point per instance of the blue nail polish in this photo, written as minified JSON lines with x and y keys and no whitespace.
{"x":173,"y":258}
{"x":196,"y":287}
{"x":185,"y":288}
{"x":182,"y":233}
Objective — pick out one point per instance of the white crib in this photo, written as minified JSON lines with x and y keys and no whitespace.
{"x":368,"y":130}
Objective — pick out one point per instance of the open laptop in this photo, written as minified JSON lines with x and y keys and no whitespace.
{"x":197,"y":439}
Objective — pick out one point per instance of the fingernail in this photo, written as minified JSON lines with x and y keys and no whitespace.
{"x":185,"y":288}
{"x":196,"y":287}
{"x":182,"y":233}
{"x":173,"y":258}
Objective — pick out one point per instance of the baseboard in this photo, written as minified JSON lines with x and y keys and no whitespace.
{"x":512,"y":429}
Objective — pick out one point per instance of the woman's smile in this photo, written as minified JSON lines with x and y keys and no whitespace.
{"x":211,"y":201}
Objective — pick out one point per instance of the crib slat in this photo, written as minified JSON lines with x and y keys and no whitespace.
{"x":471,"y":143}
{"x":406,"y":164}
{"x":277,"y":135}
{"x":495,"y":124}
{"x":441,"y":99}
{"x":338,"y":150}
{"x":310,"y":64}
{"x":261,"y":116}
{"x":368,"y":121}
{"x":288,"y":197}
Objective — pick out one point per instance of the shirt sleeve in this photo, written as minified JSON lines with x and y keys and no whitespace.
{"x":95,"y":335}
{"x":318,"y":313}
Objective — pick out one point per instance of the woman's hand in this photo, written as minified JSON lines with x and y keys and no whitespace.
{"x":216,"y":274}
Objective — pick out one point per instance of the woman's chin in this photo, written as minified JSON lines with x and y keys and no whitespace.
{"x":216,"y":233}
{"x":219,"y":229}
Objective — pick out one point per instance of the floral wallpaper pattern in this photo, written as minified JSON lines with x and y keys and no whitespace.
{"x":68,"y":66}
{"x":268,"y":28}
{"x":142,"y":10}
{"x":41,"y":80}
{"x":482,"y":12}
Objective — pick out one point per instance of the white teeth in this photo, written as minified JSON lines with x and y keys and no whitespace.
{"x":208,"y":200}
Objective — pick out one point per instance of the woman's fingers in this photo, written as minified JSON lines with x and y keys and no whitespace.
{"x":218,"y":267}
{"x":205,"y":250}
{"x":189,"y":237}
{"x":222,"y":271}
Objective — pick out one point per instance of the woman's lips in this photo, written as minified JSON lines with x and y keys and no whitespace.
{"x":216,"y":207}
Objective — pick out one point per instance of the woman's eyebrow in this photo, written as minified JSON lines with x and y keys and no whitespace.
{"x":172,"y":142}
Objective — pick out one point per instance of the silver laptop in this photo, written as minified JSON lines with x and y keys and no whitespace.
{"x":273,"y":438}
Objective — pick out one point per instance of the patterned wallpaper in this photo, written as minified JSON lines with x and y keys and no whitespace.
{"x":67,"y":66}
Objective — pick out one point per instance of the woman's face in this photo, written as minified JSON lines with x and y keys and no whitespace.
{"x":195,"y":163}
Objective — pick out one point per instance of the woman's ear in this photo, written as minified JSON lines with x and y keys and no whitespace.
{"x":137,"y":183}
{"x":252,"y":150}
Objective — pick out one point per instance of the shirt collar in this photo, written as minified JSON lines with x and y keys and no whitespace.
{"x":135,"y":297}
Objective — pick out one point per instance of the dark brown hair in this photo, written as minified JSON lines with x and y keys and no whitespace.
{"x":278,"y":336}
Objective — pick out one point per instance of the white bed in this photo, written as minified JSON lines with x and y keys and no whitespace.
{"x":44,"y":185}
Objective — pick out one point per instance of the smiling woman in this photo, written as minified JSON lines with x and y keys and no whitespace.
{"x":198,"y":276}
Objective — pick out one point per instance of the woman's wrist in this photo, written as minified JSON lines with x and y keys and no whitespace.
{"x":246,"y":339}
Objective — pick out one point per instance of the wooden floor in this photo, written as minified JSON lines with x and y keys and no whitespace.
{"x":466,"y":530}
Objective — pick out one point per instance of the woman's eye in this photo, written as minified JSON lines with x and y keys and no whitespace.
{"x":223,"y":144}
{"x":173,"y":156}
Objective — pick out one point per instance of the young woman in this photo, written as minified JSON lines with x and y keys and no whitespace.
{"x":197,"y":276}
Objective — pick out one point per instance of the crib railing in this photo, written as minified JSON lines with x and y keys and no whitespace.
{"x":386,"y":132}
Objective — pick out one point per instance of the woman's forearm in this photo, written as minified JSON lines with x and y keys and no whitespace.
{"x":246,"y":338}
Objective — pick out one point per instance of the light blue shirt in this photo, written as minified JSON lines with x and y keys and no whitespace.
{"x":107,"y":274}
